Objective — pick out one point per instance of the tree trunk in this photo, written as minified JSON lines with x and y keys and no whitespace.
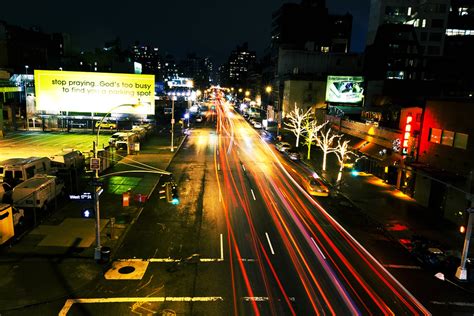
{"x":309,"y":151}
{"x":297,"y":140}
{"x":324,"y":160}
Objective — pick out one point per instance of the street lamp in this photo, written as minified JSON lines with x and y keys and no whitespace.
{"x":461,"y":272}
{"x":26,"y":103}
{"x":95,"y":183}
{"x":268,"y":89}
{"x":172,"y":122}
{"x":247,"y":93}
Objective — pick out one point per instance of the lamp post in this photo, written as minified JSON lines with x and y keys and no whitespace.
{"x":461,"y":272}
{"x":96,"y":184}
{"x":172,"y":123}
{"x":26,"y":103}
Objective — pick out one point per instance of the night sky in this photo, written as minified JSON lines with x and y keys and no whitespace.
{"x":207,"y":27}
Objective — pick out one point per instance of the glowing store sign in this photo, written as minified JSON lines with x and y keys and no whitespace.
{"x":406,"y":136}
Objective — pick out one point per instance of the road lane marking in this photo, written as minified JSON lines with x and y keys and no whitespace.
{"x":253,"y":194}
{"x":400,"y":266}
{"x":243,"y":167}
{"x":465,"y":304}
{"x":261,"y":298}
{"x":269,"y":243}
{"x":222,"y":247}
{"x":314,"y":242}
{"x":67,"y":306}
{"x":218,"y":167}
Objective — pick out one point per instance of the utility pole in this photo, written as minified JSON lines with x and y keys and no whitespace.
{"x":97,"y":251}
{"x":172,"y":123}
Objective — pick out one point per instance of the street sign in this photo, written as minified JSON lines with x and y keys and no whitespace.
{"x":85,"y":196}
{"x":95,"y":164}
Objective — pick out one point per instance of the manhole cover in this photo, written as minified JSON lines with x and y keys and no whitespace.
{"x":126,"y":270}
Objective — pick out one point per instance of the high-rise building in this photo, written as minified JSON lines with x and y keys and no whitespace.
{"x":241,"y":64}
{"x":309,"y":26}
{"x":428,"y":19}
{"x":148,"y":56}
{"x":306,"y":42}
{"x":20,"y":47}
{"x":405,"y":39}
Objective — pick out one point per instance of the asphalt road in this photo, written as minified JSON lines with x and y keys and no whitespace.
{"x":245,"y":239}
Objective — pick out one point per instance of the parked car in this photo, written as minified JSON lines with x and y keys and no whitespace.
{"x":257,"y":124}
{"x":293,"y":154}
{"x":282,"y":146}
{"x":199,"y":119}
{"x":109,"y":125}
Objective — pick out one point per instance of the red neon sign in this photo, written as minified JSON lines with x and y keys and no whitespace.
{"x":406,"y":136}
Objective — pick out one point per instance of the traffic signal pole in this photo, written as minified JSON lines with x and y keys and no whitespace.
{"x":172,"y":123}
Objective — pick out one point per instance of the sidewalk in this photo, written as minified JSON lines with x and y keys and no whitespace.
{"x":56,"y":259}
{"x":401,"y":217}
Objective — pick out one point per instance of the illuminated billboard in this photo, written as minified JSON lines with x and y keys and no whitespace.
{"x":94,"y":92}
{"x":181,"y":83}
{"x":344,"y":89}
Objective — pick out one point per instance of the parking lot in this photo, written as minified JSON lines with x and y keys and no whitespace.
{"x":23,"y":144}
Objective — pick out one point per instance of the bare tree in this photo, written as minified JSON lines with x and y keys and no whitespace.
{"x":311,"y":128}
{"x":296,"y":119}
{"x":325,"y":142}
{"x":343,"y":153}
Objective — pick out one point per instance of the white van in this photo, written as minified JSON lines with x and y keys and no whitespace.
{"x":38,"y":192}
{"x":16,"y":170}
{"x":113,"y":139}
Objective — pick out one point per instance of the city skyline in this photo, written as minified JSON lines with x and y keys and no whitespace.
{"x":208,"y":28}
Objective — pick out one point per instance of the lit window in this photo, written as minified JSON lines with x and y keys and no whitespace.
{"x":460,"y":140}
{"x":324,"y":49}
{"x":463,"y":11}
{"x":447,"y":138}
{"x":409,"y":11}
{"x":423,"y":23}
{"x":435,"y":135}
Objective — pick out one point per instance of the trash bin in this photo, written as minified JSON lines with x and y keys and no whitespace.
{"x":105,"y":254}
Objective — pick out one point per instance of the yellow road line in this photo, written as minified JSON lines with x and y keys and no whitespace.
{"x":67,"y":306}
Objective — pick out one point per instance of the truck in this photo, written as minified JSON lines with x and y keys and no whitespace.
{"x":16,"y":170}
{"x":68,"y":159}
{"x":126,"y":141}
{"x":37,"y":192}
{"x":11,"y":218}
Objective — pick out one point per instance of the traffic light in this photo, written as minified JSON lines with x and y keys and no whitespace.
{"x":174,"y":194}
